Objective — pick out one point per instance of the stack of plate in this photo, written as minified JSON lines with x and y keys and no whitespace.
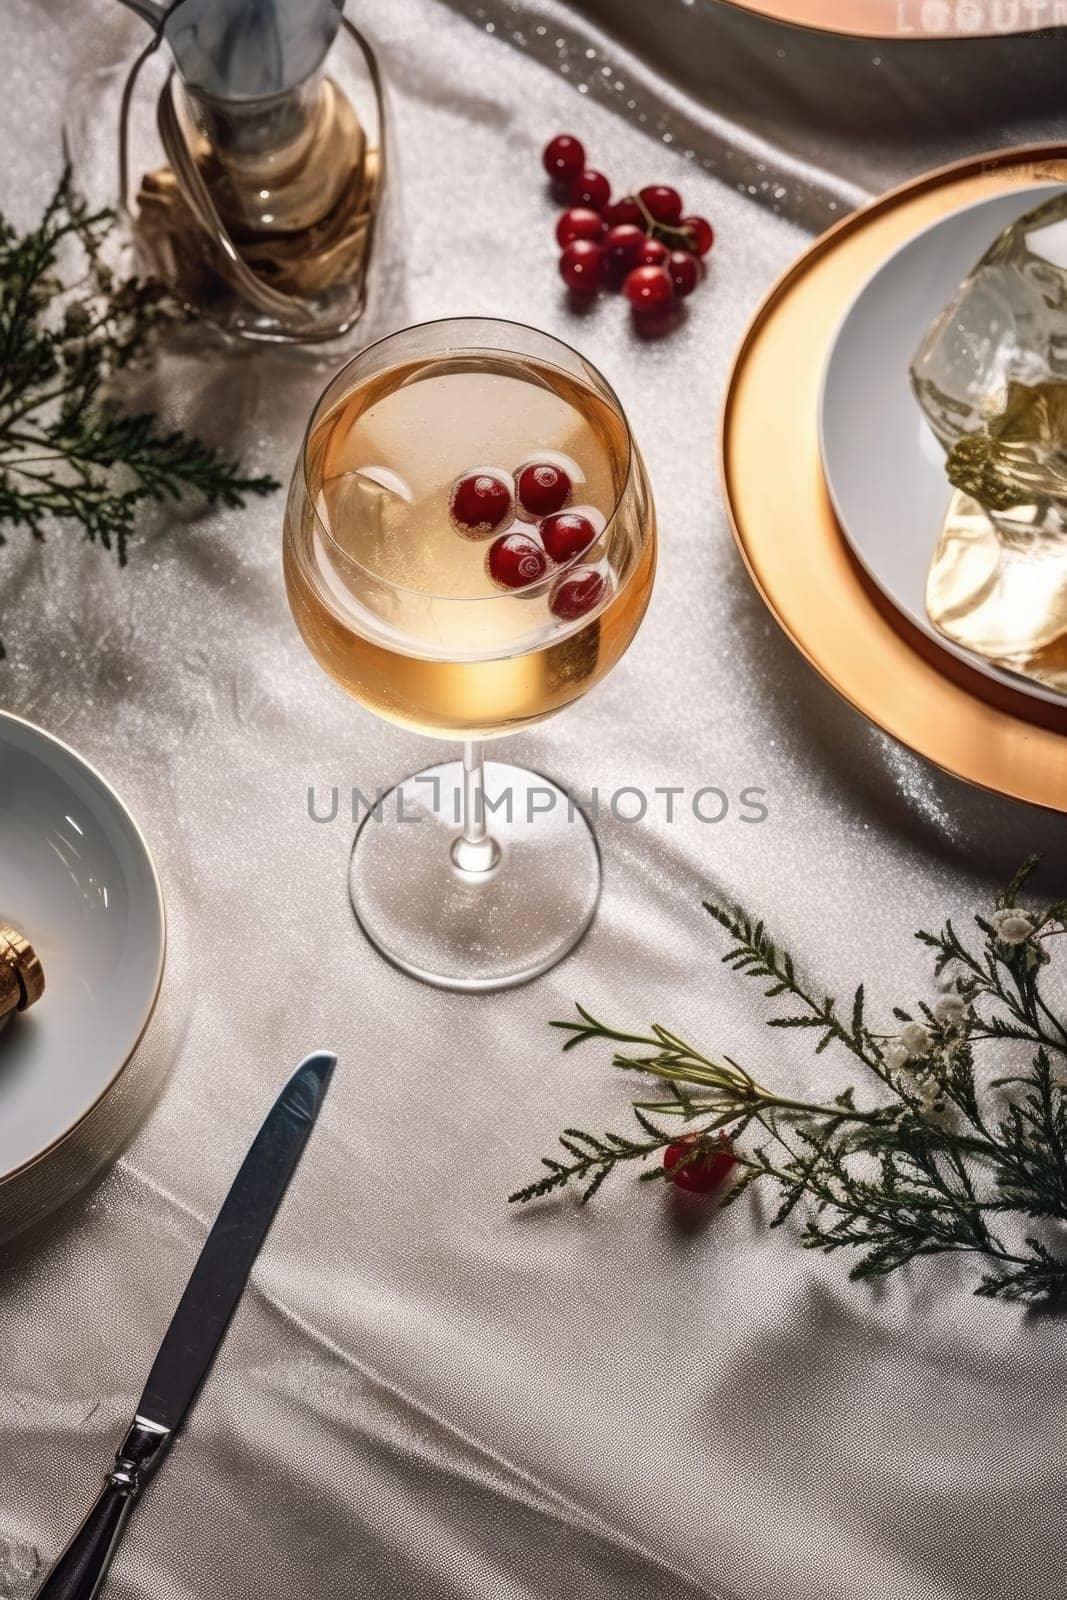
{"x":836,"y":487}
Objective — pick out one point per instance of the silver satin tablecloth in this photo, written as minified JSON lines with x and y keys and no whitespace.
{"x":425,"y":1394}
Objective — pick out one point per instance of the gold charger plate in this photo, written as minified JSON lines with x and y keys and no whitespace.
{"x":788,"y":536}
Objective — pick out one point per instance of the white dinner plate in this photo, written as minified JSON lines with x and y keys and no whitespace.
{"x":884,"y":468}
{"x":77,"y":879}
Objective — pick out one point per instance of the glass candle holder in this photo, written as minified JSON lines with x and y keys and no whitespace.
{"x":251,"y":158}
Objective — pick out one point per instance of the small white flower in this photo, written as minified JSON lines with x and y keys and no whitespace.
{"x":915,"y":1039}
{"x":949,"y":1009}
{"x":1011,"y":926}
{"x":929,"y":1094}
{"x":896,"y":1055}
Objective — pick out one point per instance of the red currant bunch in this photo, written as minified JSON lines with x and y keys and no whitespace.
{"x":535,"y":532}
{"x":641,"y":244}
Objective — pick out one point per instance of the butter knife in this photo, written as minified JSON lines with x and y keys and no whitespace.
{"x":197,"y":1327}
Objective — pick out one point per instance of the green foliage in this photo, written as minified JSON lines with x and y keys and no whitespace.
{"x":68,"y":452}
{"x":942,"y":1161}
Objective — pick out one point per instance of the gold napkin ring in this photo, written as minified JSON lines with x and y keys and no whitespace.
{"x":21,"y":973}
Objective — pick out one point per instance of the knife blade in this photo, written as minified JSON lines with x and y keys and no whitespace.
{"x":197,"y":1327}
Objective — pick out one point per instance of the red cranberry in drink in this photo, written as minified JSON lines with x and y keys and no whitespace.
{"x":695,"y":1169}
{"x":622,"y":246}
{"x":649,"y":289}
{"x":662,"y":203}
{"x":653,"y":253}
{"x":577,"y":593}
{"x":542,"y":489}
{"x":685,"y":271}
{"x":591,"y":189}
{"x":626,"y":210}
{"x":480,"y":501}
{"x":581,"y":266}
{"x":700,"y":234}
{"x":515,"y":560}
{"x":563,"y":157}
{"x":579,"y":223}
{"x":566,"y":535}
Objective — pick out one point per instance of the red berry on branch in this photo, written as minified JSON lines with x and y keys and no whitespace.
{"x":662,"y":203}
{"x":653,"y":253}
{"x":700,"y":233}
{"x":581,"y":266}
{"x":685,"y":271}
{"x":649,"y":289}
{"x":543,"y":488}
{"x":591,"y":189}
{"x":566,"y":535}
{"x":703,"y":1171}
{"x":480,"y":501}
{"x":622,"y":246}
{"x":514,"y":560}
{"x":578,"y":593}
{"x":579,"y":223}
{"x":563,"y":157}
{"x":626,"y":210}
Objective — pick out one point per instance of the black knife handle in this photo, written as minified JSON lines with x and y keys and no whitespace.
{"x":79,"y":1572}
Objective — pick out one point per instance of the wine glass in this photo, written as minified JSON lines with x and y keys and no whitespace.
{"x":470,"y":545}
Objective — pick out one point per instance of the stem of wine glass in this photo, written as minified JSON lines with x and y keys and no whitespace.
{"x":475,"y":852}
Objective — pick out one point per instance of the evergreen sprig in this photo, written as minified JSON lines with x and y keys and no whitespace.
{"x":68,"y":327}
{"x":943,"y":1160}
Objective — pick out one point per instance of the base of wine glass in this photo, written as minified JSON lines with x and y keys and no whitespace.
{"x":475,"y":930}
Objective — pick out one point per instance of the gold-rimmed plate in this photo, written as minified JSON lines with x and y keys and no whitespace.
{"x":77,"y":879}
{"x":899,"y":19}
{"x":783,"y":521}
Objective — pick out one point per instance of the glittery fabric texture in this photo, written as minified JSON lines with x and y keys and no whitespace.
{"x":423,"y":1393}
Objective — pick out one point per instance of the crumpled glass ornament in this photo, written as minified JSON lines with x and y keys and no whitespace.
{"x":991,"y":378}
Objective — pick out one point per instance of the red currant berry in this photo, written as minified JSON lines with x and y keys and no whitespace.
{"x":622,"y":246}
{"x":543,"y":488}
{"x":579,"y":223}
{"x":620,"y":211}
{"x":700,"y":233}
{"x":703,"y":1172}
{"x":685,"y":271}
{"x":581,"y":266}
{"x":563,"y":157}
{"x":577,"y":593}
{"x":653,"y":253}
{"x":662,"y":203}
{"x":566,"y":535}
{"x":591,"y":189}
{"x":515,"y":560}
{"x":649,"y":288}
{"x":479,"y":502}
